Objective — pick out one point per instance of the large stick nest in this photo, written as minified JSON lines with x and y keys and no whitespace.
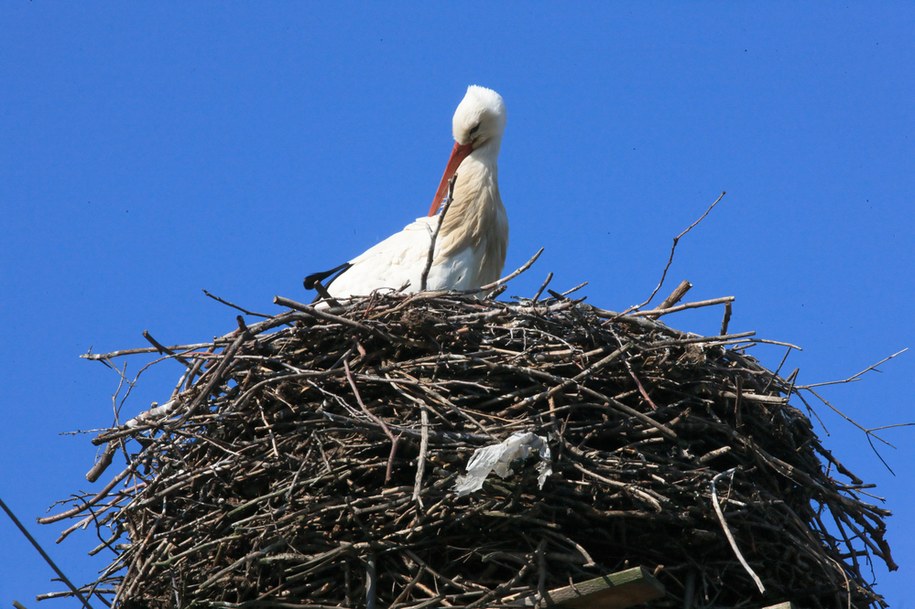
{"x":310,"y":459}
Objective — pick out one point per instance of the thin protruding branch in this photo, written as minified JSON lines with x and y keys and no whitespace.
{"x":727,"y":530}
{"x":653,"y":313}
{"x":438,"y":227}
{"x":673,"y":248}
{"x":546,"y":282}
{"x":726,"y":319}
{"x":104,"y":357}
{"x":421,"y":459}
{"x":233,"y":305}
{"x":324,"y":295}
{"x":512,"y":275}
{"x":857,"y":375}
{"x":371,"y":582}
{"x":163,"y":349}
{"x":677,"y":295}
{"x":376,"y":419}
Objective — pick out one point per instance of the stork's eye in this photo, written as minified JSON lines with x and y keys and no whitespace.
{"x":473,"y":131}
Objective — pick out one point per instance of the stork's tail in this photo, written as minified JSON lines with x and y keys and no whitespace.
{"x":311,"y":281}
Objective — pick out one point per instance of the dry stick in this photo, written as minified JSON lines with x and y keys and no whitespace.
{"x":891,"y":426}
{"x":163,"y":349}
{"x":673,"y":248}
{"x":421,"y":460}
{"x":675,"y":296}
{"x":371,"y":583}
{"x":413,"y":556}
{"x":628,"y":364}
{"x":103,"y":462}
{"x":855,"y":376}
{"x":409,"y":587}
{"x":246,"y":558}
{"x":848,"y":418}
{"x":705,"y":340}
{"x":546,"y":282}
{"x":510,"y":276}
{"x":235,"y":306}
{"x":99,"y":496}
{"x":462,"y":412}
{"x":629,"y":488}
{"x":727,"y":319}
{"x":269,"y":428}
{"x":325,"y":295}
{"x":638,"y":384}
{"x":187,"y":379}
{"x":573,"y":290}
{"x":44,"y":555}
{"x":727,"y":531}
{"x":654,"y":313}
{"x":228,"y":355}
{"x":376,"y":419}
{"x":441,"y":218}
{"x":272,"y":322}
{"x":323,"y":314}
{"x":140,"y":350}
{"x":841,"y":570}
{"x":122,"y":380}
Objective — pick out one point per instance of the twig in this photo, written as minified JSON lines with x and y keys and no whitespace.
{"x":726,"y":319}
{"x":510,"y":276}
{"x":546,"y":282}
{"x":867,"y":431}
{"x":727,"y":531}
{"x":324,"y":295}
{"x":376,"y":419}
{"x":676,"y":296}
{"x":371,"y":583}
{"x":438,"y":226}
{"x":673,"y":248}
{"x":163,"y":349}
{"x":234,"y":306}
{"x":421,"y":459}
{"x":857,"y":375}
{"x":103,"y":357}
{"x":574,"y":289}
{"x":323,"y":314}
{"x":641,"y":388}
{"x":654,"y":313}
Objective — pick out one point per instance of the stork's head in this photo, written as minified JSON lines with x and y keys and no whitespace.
{"x":478,"y":124}
{"x":479,"y":118}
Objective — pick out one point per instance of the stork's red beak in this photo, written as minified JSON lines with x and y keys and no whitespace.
{"x":458,"y":154}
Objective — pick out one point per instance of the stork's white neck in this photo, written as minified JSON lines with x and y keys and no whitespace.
{"x":476,"y":217}
{"x":488,"y":153}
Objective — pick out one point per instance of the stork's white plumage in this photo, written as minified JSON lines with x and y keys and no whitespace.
{"x":471,"y":243}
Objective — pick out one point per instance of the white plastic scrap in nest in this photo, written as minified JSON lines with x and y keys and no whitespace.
{"x":498,"y":458}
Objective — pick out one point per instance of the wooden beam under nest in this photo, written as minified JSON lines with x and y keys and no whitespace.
{"x":619,"y":590}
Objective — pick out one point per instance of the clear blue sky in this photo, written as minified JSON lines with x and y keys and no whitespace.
{"x":146,"y":154}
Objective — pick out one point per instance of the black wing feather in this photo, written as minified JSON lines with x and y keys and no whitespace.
{"x":333,"y":273}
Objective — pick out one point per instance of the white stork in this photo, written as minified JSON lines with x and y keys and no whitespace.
{"x":471,"y":243}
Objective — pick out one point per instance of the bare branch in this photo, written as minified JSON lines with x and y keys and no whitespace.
{"x":673,"y":248}
{"x":727,"y":531}
{"x":234,"y":306}
{"x":441,"y":218}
